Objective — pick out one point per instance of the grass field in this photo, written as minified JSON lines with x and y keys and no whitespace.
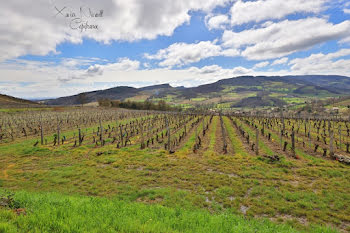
{"x":106,"y":189}
{"x":52,"y":212}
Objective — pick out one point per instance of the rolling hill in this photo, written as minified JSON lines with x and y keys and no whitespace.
{"x":10,"y":101}
{"x":232,"y":92}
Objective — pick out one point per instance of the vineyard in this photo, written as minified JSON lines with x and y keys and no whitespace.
{"x":172,"y":131}
{"x":291,"y":170}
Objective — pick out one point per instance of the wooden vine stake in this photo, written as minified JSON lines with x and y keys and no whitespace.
{"x":142,"y":138}
{"x":101,"y":133}
{"x":339,"y":131}
{"x":168,"y":130}
{"x":58,"y":131}
{"x":293,"y":143}
{"x":116,"y":129}
{"x":257,"y":142}
{"x":282,"y":129}
{"x":80,"y":139}
{"x":121,"y":135}
{"x":309,"y":134}
{"x":331,"y":147}
{"x":203,"y":123}
{"x":41,"y":130}
{"x":196,"y":135}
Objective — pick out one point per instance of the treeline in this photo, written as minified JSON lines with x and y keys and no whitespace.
{"x":145,"y":105}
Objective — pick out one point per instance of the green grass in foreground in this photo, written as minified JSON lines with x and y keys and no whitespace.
{"x":52,"y":212}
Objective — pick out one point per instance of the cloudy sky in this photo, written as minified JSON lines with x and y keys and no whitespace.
{"x":51,"y":48}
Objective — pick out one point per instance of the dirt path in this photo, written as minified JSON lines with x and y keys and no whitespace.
{"x":206,"y":139}
{"x":242,"y":139}
{"x":220,"y":141}
{"x":273,"y":145}
{"x":188,"y":135}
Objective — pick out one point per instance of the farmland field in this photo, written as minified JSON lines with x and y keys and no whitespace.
{"x":186,"y":116}
{"x":73,"y":169}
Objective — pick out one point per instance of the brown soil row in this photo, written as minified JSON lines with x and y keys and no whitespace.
{"x":242,"y":139}
{"x":219,"y":145}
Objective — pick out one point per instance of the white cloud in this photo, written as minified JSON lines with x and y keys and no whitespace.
{"x":146,"y":65}
{"x":261,"y":64}
{"x":123,"y":64}
{"x":94,"y":70}
{"x":284,"y":38}
{"x":331,"y":63}
{"x":257,"y":11}
{"x":206,"y":69}
{"x":217,"y":21}
{"x":215,"y":72}
{"x":180,"y":54}
{"x":80,"y":61}
{"x":281,"y":61}
{"x":32,"y":27}
{"x":346,"y":11}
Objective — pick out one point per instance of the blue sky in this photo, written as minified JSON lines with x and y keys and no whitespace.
{"x":184,"y":42}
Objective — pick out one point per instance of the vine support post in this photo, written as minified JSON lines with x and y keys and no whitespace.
{"x":257,"y":142}
{"x":309,"y":134}
{"x":58,"y":131}
{"x":80,"y":139}
{"x":282,"y":128}
{"x":203,"y":122}
{"x":196,"y":135}
{"x":41,"y":130}
{"x":339,"y":131}
{"x":331,"y":147}
{"x":168,"y":130}
{"x":293,"y":143}
{"x":101,"y":133}
{"x":116,"y":128}
{"x":142,"y":138}
{"x":121,"y":134}
{"x":281,"y":137}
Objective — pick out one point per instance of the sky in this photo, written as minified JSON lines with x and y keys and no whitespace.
{"x":53,"y":48}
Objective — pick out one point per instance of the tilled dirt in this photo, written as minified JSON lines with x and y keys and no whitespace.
{"x":188,"y":135}
{"x":219,"y":145}
{"x":274,"y":146}
{"x":242,"y":139}
{"x":307,"y":149}
{"x":205,"y":140}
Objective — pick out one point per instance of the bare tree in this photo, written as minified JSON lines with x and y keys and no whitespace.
{"x":82,"y":99}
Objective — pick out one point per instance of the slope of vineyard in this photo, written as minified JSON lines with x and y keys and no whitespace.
{"x":9,"y":101}
{"x":285,"y":170}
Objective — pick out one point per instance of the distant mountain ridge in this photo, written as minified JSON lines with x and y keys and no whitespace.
{"x":318,"y":85}
{"x":115,"y":93}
